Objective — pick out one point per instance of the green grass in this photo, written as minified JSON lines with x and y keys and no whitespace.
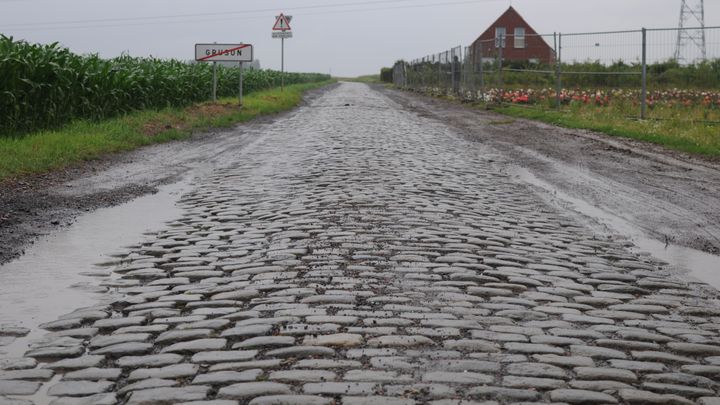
{"x":87,"y":140}
{"x":683,"y":130}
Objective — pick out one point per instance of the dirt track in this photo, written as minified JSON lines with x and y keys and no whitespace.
{"x":670,"y":196}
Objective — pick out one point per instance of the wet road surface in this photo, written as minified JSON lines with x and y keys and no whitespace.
{"x":666,"y":195}
{"x":358,"y":253}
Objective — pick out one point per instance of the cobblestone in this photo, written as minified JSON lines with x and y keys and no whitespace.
{"x":168,"y":395}
{"x":362,"y":254}
{"x":582,"y":397}
{"x":79,"y":388}
{"x":13,"y":387}
{"x":253,"y":389}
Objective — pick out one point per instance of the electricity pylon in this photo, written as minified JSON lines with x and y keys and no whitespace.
{"x":691,"y":31}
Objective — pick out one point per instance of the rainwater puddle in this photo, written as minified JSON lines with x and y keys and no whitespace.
{"x":48,"y":280}
{"x":695,"y":263}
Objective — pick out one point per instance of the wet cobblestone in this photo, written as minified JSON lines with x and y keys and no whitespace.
{"x":361,"y":254}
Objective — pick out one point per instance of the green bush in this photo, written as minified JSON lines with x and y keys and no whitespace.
{"x":589,"y":74}
{"x":386,"y":75}
{"x":45,"y":86}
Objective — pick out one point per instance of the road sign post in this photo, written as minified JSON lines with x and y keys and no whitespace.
{"x":224,"y":53}
{"x":214,"y":86}
{"x":240,"y":98}
{"x":282,"y":30}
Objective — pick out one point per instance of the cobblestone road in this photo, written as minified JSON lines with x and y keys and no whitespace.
{"x":360,"y":254}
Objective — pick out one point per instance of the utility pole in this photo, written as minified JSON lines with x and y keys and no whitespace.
{"x":691,"y":32}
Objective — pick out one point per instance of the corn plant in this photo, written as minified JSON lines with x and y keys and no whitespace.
{"x":46,"y":86}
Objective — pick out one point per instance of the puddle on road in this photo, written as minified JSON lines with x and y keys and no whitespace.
{"x":47,"y":281}
{"x":695,"y":263}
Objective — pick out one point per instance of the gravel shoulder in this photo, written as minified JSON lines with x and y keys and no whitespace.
{"x":670,"y":196}
{"x":34,"y":206}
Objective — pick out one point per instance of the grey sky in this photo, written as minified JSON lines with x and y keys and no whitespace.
{"x":349,"y":40}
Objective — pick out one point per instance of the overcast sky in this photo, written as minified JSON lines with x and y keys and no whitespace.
{"x":345,"y":37}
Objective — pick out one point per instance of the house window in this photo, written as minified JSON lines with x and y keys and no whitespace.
{"x":519,"y":41}
{"x":499,"y":36}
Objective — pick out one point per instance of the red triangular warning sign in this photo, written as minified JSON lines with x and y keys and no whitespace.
{"x":282,"y":23}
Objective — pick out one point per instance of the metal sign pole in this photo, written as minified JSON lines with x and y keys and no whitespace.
{"x":241,"y":83}
{"x":643,"y":94}
{"x":282,"y":24}
{"x":214,"y":88}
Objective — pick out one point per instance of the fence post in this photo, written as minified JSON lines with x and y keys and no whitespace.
{"x":443,"y":77}
{"x":447,"y":62}
{"x":482,"y":74}
{"x":463,"y":71}
{"x":453,"y":67}
{"x":500,"y":66}
{"x":405,"y":76}
{"x":457,"y":70}
{"x":643,"y":95}
{"x":558,"y":77}
{"x":439,"y":81}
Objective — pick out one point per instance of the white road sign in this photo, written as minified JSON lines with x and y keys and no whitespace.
{"x":223,"y":52}
{"x":282,"y":34}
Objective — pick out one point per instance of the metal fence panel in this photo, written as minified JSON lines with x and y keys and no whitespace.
{"x":635,"y":66}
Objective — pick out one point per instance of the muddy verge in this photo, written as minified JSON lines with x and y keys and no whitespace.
{"x":671,"y":196}
{"x":33,"y":206}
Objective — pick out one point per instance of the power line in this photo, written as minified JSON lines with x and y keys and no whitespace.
{"x":150,"y":19}
{"x":95,"y":24}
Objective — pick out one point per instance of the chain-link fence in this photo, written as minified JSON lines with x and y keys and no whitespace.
{"x":636,"y":68}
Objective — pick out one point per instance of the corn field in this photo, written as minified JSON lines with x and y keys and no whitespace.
{"x":45,"y":86}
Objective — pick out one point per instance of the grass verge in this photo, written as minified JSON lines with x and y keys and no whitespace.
{"x":684,"y":134}
{"x":85,"y":140}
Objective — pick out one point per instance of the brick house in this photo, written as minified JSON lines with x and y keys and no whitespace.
{"x":522,"y":43}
